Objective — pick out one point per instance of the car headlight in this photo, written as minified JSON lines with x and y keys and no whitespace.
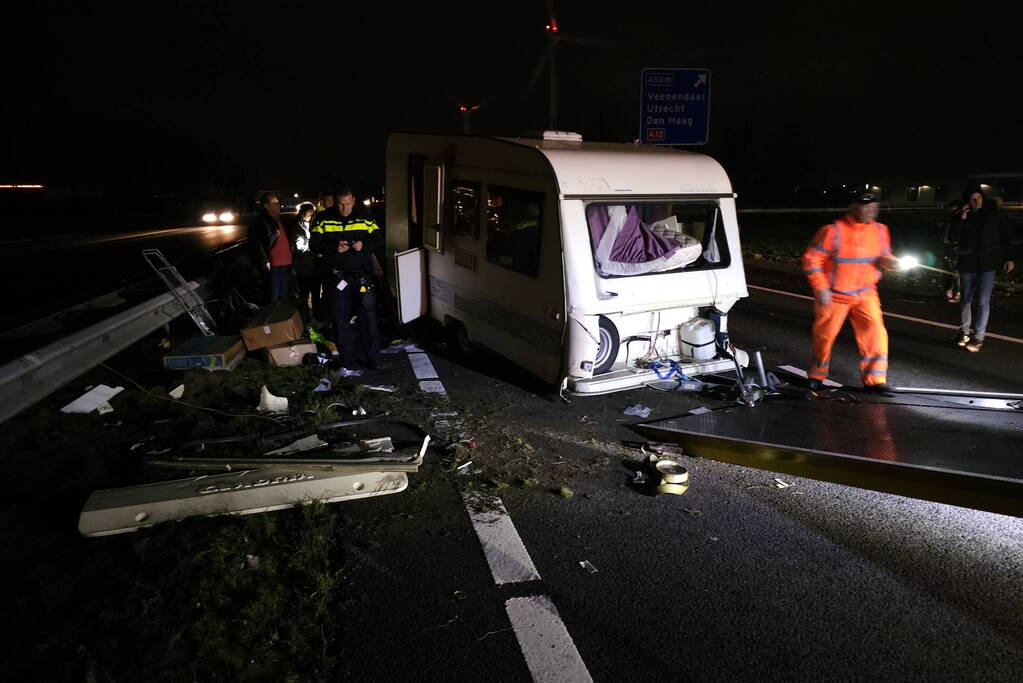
{"x":209,"y":218}
{"x":226,"y":217}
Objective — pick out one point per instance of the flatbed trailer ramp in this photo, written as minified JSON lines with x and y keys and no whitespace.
{"x":918,"y":445}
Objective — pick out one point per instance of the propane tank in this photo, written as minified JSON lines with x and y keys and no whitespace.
{"x":697,"y":338}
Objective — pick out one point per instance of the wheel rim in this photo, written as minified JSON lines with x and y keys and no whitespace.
{"x":603,"y":348}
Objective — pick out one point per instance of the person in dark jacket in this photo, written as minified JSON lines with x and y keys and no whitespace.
{"x":305,"y":272}
{"x":270,"y":246}
{"x":346,"y":238}
{"x":984,"y":243}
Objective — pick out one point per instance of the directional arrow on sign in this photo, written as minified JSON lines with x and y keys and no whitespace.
{"x":701,"y":80}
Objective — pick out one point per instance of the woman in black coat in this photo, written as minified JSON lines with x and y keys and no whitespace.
{"x":984,"y":244}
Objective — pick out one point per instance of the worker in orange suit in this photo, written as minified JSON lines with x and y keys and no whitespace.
{"x":843,"y":264}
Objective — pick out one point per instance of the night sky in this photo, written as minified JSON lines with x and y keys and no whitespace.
{"x":301,"y":94}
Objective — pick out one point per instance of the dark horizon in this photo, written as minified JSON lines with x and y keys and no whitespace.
{"x":186,"y":97}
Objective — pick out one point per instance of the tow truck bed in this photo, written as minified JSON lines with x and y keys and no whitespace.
{"x":912,"y":444}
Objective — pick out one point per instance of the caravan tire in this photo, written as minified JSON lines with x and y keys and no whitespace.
{"x":458,"y":335}
{"x":607,"y":350}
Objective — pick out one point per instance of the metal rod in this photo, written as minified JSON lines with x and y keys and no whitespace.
{"x":760,"y":368}
{"x":960,"y":392}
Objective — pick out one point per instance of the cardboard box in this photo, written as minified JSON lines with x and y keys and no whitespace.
{"x":290,"y":353}
{"x":272,"y":325}
{"x":212,"y":353}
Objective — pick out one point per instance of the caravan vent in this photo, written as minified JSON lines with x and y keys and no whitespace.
{"x":562,"y":135}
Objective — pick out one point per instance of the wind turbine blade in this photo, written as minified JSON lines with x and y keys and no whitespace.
{"x":536,"y":73}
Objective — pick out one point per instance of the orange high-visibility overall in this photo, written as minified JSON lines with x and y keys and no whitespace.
{"x":846,"y":257}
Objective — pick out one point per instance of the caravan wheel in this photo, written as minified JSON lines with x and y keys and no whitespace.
{"x":607,"y":350}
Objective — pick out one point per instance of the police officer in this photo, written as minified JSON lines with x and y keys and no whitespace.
{"x":346,"y":238}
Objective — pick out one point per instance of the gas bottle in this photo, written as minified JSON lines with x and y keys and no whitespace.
{"x":697,"y":339}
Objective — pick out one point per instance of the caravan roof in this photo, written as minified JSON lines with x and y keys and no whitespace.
{"x":606,"y":168}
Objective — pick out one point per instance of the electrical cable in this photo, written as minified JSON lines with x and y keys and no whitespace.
{"x":178,"y":401}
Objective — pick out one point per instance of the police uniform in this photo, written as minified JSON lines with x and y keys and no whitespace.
{"x":348,"y":278}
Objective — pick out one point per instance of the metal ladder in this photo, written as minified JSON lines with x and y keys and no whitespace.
{"x":185,"y":295}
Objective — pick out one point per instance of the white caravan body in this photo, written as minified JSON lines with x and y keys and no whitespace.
{"x":508,"y":240}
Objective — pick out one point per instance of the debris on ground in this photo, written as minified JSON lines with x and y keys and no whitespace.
{"x":353,"y":471}
{"x":638,"y":410}
{"x":782,"y":484}
{"x":268,"y":403}
{"x":566,"y":492}
{"x":177,"y":392}
{"x":96,"y":399}
{"x":309,"y":443}
{"x":390,"y":388}
{"x":585,"y":564}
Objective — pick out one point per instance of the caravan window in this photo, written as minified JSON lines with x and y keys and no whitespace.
{"x":465,"y":208}
{"x":655,"y":237}
{"x":513,"y":229}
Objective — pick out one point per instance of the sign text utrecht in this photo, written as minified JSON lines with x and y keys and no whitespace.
{"x":675,"y":106}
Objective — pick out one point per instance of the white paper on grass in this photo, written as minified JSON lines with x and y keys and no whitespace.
{"x":268,"y":403}
{"x":93,"y":399}
{"x":178,"y":391}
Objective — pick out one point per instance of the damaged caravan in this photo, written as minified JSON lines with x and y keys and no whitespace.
{"x":587,"y":264}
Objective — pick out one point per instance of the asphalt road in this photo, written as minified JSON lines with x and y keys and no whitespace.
{"x":737,"y":578}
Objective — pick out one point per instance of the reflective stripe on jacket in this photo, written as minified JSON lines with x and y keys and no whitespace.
{"x":843,"y":256}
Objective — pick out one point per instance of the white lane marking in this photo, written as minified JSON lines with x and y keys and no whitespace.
{"x":549,"y":651}
{"x":421,"y":366}
{"x":506,"y":554}
{"x":923,"y":321}
{"x":802,"y":373}
{"x":432,"y":386}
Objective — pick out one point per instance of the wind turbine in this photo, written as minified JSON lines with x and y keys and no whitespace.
{"x":550,"y":59}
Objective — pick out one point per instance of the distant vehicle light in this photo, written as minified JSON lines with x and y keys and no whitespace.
{"x":367,"y":202}
{"x":209,"y":218}
{"x":908,"y":262}
{"x":226,"y":217}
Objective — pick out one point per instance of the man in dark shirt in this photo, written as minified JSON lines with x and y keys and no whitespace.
{"x":270,"y":246}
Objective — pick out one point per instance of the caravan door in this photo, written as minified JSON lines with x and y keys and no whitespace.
{"x":413,"y":299}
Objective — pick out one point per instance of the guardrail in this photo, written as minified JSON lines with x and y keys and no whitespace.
{"x":36,"y":375}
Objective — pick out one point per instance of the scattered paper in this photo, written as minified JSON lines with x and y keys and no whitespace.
{"x":324,"y":384}
{"x":585,"y":564}
{"x":268,"y":403}
{"x":699,"y":411}
{"x":380,"y":387}
{"x":345,"y":372}
{"x":432,"y":386}
{"x":638,"y":411}
{"x":782,"y":484}
{"x":178,"y":391}
{"x":308,"y":443}
{"x":104,"y":408}
{"x":95,"y":398}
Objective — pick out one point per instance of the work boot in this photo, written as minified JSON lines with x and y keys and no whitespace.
{"x":962,"y":339}
{"x":975,"y":346}
{"x":882,"y":388}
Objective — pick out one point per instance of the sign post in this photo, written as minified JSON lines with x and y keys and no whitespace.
{"x":674,"y":107}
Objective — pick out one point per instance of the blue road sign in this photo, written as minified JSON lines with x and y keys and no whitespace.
{"x":675,"y":107}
